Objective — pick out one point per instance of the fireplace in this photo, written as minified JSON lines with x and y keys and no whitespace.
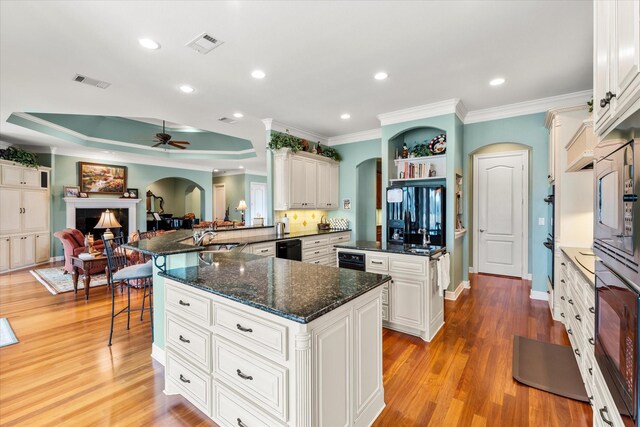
{"x":84,"y":213}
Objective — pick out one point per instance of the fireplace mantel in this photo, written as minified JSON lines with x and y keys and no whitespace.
{"x":74,"y":203}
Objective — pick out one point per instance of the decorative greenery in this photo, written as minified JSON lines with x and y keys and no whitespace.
{"x":285,"y":140}
{"x":590,"y":104}
{"x":421,"y":150}
{"x":331,"y":152}
{"x":18,"y":155}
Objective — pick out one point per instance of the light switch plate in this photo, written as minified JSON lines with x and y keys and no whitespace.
{"x":541,"y":221}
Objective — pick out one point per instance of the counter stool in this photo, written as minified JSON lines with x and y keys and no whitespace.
{"x":122,"y":273}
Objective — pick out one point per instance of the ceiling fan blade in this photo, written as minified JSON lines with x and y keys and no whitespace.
{"x":173,"y":144}
{"x":159,"y":143}
{"x":181,"y":142}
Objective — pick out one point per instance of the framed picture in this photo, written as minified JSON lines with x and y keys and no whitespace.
{"x":71,"y":191}
{"x":133,"y":193}
{"x":346,"y":204}
{"x":84,"y":195}
{"x":102,"y":179}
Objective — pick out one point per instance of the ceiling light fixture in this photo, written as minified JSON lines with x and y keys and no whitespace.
{"x":381,"y":75}
{"x":149,"y":44}
{"x":345,"y":116}
{"x":497,"y":81}
{"x":241,"y":167}
{"x":258,"y":74}
{"x":238,"y":115}
{"x":216,"y":170}
{"x":187,"y":89}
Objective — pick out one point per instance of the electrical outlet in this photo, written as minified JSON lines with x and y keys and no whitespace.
{"x":541,"y":221}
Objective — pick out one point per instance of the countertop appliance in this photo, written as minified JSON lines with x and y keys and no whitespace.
{"x":351,"y":260}
{"x":416,"y":214}
{"x":616,"y":210}
{"x":289,"y":249}
{"x":616,"y":341}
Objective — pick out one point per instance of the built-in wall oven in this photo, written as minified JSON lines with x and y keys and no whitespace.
{"x":616,"y":344}
{"x":617,"y":211}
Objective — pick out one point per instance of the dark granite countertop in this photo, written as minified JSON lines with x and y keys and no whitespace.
{"x":585,"y":260}
{"x":171,"y":243}
{"x":291,"y":289}
{"x":367,"y":245}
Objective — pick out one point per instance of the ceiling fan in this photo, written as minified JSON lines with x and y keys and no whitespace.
{"x":164,"y":138}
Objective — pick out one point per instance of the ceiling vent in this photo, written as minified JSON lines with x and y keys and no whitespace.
{"x":227,"y":120}
{"x":204,"y":43}
{"x":91,"y":82}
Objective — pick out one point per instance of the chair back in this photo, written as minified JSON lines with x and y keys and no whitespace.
{"x":116,"y":254}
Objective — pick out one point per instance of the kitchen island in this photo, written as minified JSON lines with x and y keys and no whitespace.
{"x":261,"y":341}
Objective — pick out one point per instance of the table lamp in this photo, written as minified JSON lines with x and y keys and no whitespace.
{"x":108,"y":220}
{"x":242,"y":206}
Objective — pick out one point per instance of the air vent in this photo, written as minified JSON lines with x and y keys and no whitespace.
{"x":227,"y":120}
{"x":204,"y":43}
{"x":91,"y":82}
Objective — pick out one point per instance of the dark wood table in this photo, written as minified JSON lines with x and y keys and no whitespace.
{"x":86,"y":265}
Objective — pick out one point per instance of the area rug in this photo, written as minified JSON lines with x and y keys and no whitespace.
{"x":57,"y":282}
{"x":7,"y":337}
{"x":548,"y":367}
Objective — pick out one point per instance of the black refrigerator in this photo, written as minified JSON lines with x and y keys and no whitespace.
{"x":416,"y":208}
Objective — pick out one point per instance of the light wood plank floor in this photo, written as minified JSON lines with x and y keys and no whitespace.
{"x":63,"y":373}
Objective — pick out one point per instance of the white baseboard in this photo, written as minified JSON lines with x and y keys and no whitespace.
{"x":158,"y":354}
{"x":467,"y":284}
{"x":472,"y":270}
{"x":455,"y":294}
{"x":527,"y":277}
{"x":56,"y":258}
{"x":539,"y":295}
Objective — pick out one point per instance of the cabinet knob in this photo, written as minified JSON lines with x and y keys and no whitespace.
{"x":609,"y":96}
{"x":603,"y":103}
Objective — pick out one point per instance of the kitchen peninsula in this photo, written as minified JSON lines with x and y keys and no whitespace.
{"x":254,"y":340}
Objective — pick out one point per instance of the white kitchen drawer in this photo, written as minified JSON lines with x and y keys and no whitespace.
{"x":340,"y":238}
{"x":251,"y":331}
{"x":324,"y":260}
{"x":261,"y":381}
{"x":313,"y":242}
{"x":407,"y":265}
{"x":314,"y":253}
{"x":195,"y":385}
{"x":377,"y":263}
{"x":190,"y":341}
{"x":187,"y":304}
{"x":264,"y":249}
{"x":231,"y":410}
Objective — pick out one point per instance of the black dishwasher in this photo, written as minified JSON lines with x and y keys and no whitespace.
{"x":289,"y":249}
{"x":351,"y":260}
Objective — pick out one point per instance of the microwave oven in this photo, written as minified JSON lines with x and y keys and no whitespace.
{"x":617,"y":210}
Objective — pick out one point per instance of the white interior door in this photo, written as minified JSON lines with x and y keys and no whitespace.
{"x":219,"y":201}
{"x":258,"y":207}
{"x":500,"y":205}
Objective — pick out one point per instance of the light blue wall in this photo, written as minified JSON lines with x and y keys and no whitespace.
{"x":352,"y":155}
{"x":65,"y":172}
{"x":366,"y":200}
{"x":530,"y":131}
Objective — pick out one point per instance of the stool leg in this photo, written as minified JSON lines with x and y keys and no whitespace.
{"x":151,"y":306}
{"x":144,"y":297}
{"x":128,"y":304}
{"x":113,"y":310}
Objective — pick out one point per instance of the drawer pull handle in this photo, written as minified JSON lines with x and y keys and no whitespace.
{"x":570,"y":301}
{"x":592,"y":310}
{"x":562,"y":280}
{"x":183,"y":339}
{"x":562,"y":298}
{"x":602,"y":412}
{"x":240,"y":423}
{"x":561,"y":314}
{"x":569,"y":331}
{"x":316,"y":252}
{"x":576,"y":351}
{"x":578,"y":318}
{"x":376,"y":262}
{"x":317,"y":241}
{"x":316,"y":262}
{"x":563,"y":264}
{"x":264,"y":250}
{"x":241,"y":328}
{"x":244,"y":376}
{"x":183,"y":379}
{"x":186,"y":304}
{"x":590,"y":371}
{"x":592,"y":342}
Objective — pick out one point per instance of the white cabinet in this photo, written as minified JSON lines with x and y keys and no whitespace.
{"x":407,"y":302}
{"x":304,"y":181}
{"x":35,"y":210}
{"x":22,"y":251}
{"x":10,"y":210}
{"x":42,"y":247}
{"x":267,"y":249}
{"x":5,"y":258}
{"x":20,"y":176}
{"x":616,"y":59}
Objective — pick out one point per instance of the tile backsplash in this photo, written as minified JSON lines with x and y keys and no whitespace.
{"x":301,"y":220}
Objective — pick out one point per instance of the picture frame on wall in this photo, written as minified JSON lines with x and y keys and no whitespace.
{"x":97,"y":178}
{"x":70,"y":191}
{"x":133,"y":193}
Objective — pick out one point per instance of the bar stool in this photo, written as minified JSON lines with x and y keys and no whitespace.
{"x":122,"y":273}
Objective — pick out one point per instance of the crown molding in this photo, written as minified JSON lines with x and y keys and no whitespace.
{"x":239,"y":172}
{"x":365,"y":135}
{"x":567,"y":101}
{"x":449,"y":106}
{"x":271,"y":124}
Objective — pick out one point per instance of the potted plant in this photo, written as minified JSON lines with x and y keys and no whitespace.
{"x":285,"y":140}
{"x":18,"y":155}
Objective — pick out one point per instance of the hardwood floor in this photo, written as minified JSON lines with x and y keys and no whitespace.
{"x":63,"y":373}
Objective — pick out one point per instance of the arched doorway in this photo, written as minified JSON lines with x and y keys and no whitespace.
{"x":174,"y":203}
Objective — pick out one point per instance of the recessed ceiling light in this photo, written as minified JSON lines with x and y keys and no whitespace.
{"x":258,"y":74}
{"x":187,"y":89}
{"x":216,"y":170}
{"x":149,"y":44}
{"x":381,"y":75}
{"x":497,"y":81}
{"x":345,"y":116}
{"x":238,"y":115}
{"x":241,"y":167}
{"x":106,"y":152}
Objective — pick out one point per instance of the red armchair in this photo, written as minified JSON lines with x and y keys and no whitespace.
{"x":73,"y":243}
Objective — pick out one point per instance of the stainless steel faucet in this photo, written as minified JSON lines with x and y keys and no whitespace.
{"x":426,"y":238}
{"x":198,"y":237}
